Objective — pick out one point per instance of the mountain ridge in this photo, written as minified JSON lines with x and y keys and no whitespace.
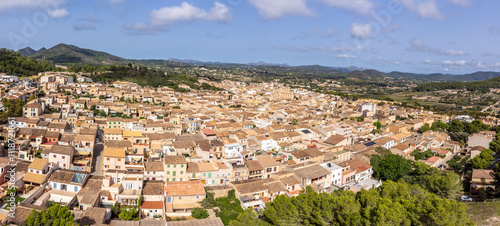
{"x":68,"y":54}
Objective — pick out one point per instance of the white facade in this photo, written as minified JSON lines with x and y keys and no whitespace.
{"x":336,"y":172}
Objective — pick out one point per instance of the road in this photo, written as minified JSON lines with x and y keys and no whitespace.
{"x":495,"y":104}
{"x":97,"y":166}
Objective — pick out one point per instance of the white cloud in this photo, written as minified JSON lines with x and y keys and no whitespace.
{"x":423,"y":8}
{"x":481,"y":65}
{"x":461,"y":2}
{"x":458,"y":63}
{"x":362,"y":31}
{"x":188,"y":12}
{"x":452,"y":52}
{"x":363,"y":7}
{"x":58,"y":13}
{"x":84,"y":26}
{"x":346,"y":56}
{"x":418,"y":45}
{"x":52,"y":7}
{"x":274,"y":9}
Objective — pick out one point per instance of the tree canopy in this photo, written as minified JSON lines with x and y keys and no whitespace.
{"x":390,"y":166}
{"x":55,"y":215}
{"x":393,"y":203}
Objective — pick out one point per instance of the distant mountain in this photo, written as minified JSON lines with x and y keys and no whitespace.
{"x":258,"y":63}
{"x":28,"y":51}
{"x":63,"y":53}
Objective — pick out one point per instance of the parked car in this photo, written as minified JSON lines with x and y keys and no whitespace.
{"x":466,"y":198}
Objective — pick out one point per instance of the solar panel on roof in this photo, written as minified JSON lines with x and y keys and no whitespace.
{"x":78,"y":178}
{"x":306,"y":131}
{"x":370,"y":143}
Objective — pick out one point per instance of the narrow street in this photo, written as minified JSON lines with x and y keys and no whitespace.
{"x":98,"y":155}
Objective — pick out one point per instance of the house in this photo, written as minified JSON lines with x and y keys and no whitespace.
{"x":183,"y":196}
{"x":173,"y":166}
{"x":336,"y":173}
{"x":67,"y":180}
{"x":112,"y":134}
{"x":37,"y":172}
{"x":154,"y":171}
{"x":114,"y":158}
{"x":313,"y":174}
{"x":88,"y":196}
{"x":32,"y":110}
{"x":355,"y":170}
{"x":153,"y":200}
{"x":269,"y":165}
{"x":255,"y":169}
{"x":481,"y":179}
{"x":337,"y":140}
{"x":62,"y":155}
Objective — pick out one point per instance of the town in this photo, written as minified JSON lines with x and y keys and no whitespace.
{"x":118,"y":152}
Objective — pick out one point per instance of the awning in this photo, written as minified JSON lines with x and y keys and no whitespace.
{"x":137,"y":158}
{"x":84,"y":152}
{"x":81,"y":162}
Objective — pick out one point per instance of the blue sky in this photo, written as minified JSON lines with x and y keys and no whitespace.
{"x":422,"y":36}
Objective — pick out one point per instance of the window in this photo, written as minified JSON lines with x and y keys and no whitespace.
{"x":107,"y":159}
{"x":175,"y":166}
{"x":197,"y":197}
{"x":168,"y":166}
{"x":76,"y":189}
{"x":53,"y":156}
{"x":182,"y":166}
{"x":173,"y":179}
{"x":64,"y":157}
{"x":167,"y":179}
{"x":55,"y":185}
{"x":173,"y":173}
{"x":168,"y":172}
{"x":179,"y":198}
{"x":194,"y":174}
{"x":182,"y":172}
{"x":119,"y":159}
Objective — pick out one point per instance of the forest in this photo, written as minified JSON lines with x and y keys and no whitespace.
{"x":13,"y":63}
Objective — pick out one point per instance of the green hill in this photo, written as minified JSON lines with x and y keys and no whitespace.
{"x":13,"y":63}
{"x":66,"y":54}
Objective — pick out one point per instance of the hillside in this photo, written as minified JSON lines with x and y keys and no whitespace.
{"x":148,"y":77}
{"x":28,"y":51}
{"x":70,"y":54}
{"x":481,"y":86}
{"x":64,"y":54}
{"x":13,"y":63}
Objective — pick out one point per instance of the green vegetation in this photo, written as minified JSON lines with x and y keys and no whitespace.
{"x":150,"y":77}
{"x":13,"y":63}
{"x":390,"y":166}
{"x":443,"y":184}
{"x":422,"y":154}
{"x":481,"y":86}
{"x":229,"y":206}
{"x":14,"y":109}
{"x":393,"y":203}
{"x":55,"y":215}
{"x":199,"y":213}
{"x":483,"y":160}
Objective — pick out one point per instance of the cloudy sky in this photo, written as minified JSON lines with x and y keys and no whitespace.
{"x":423,"y":36}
